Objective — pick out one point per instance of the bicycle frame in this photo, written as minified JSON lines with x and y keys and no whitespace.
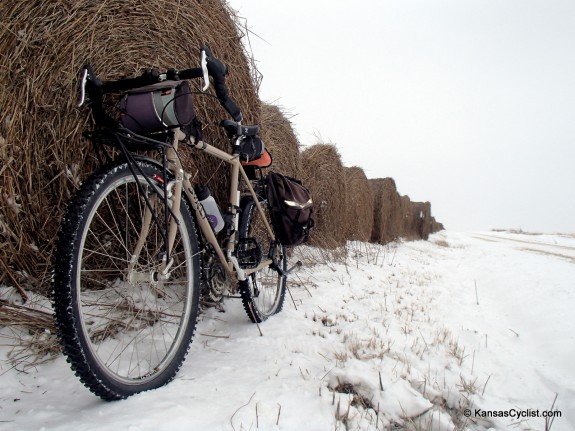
{"x":133,"y":263}
{"x":182,"y":183}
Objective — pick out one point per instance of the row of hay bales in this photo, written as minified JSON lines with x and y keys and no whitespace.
{"x":395,"y":216}
{"x":349,"y":206}
{"x":43,"y":158}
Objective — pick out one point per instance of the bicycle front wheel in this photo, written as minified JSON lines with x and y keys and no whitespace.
{"x":263,"y":293}
{"x":125,"y":314}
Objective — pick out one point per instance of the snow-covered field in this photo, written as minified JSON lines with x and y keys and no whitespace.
{"x":407,"y":335}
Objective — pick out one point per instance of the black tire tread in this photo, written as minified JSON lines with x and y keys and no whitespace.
{"x":248,"y":209}
{"x":63,"y":301}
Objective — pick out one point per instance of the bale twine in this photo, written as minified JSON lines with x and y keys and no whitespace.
{"x":280,"y":139}
{"x":387,"y":224}
{"x":43,"y":46}
{"x":359,"y":205}
{"x":322,"y":172}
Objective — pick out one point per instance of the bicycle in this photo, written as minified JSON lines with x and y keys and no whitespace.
{"x":130,"y":264}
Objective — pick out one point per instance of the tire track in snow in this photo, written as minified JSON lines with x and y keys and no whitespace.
{"x":555,"y":250}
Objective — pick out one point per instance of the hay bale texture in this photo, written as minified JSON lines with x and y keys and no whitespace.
{"x":359,"y":205}
{"x":43,"y":45}
{"x":423,"y":223}
{"x":387,"y":219}
{"x":280,"y":139}
{"x":323,"y":173}
{"x":406,"y":218}
{"x":396,"y":216}
{"x":421,"y":219}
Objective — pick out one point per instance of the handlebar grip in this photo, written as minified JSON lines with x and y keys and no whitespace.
{"x":193,"y":73}
{"x":218,"y":72}
{"x":225,"y":100}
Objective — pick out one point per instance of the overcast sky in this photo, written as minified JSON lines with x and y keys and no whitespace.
{"x":468,"y":104}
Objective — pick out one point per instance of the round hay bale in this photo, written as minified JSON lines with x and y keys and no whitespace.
{"x":279,"y":137}
{"x":43,"y":46}
{"x":427,"y":221}
{"x":422,"y":223}
{"x":322,"y":172}
{"x":359,"y":205}
{"x":407,"y":228}
{"x":387,"y":223}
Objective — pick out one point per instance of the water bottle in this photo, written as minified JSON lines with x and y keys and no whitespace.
{"x":210,"y":207}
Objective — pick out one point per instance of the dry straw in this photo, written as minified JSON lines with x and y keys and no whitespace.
{"x":359,"y":205}
{"x":323,"y":173}
{"x":31,"y":334}
{"x":407,"y":218}
{"x":279,"y":137}
{"x":387,"y":217}
{"x":43,"y":45}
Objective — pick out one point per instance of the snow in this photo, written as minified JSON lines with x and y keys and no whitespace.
{"x":404,"y":335}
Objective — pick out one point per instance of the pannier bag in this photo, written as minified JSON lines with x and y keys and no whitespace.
{"x":291,"y":209}
{"x":158,"y":107}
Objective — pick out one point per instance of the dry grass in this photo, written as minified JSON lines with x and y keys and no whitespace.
{"x":441,"y":243}
{"x":29,"y":318}
{"x":30,"y":332}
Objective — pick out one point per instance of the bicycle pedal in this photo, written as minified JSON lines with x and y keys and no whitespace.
{"x":248,"y":253}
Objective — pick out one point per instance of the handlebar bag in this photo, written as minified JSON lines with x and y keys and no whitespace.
{"x":157,"y":107}
{"x":291,"y":209}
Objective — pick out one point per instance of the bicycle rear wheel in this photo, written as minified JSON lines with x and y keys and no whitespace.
{"x":263,"y":292}
{"x":125,"y":321}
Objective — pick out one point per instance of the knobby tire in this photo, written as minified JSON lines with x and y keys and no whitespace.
{"x":123,"y":331}
{"x":263,"y":292}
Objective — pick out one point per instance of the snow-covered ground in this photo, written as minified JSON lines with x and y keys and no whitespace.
{"x":405,"y":335}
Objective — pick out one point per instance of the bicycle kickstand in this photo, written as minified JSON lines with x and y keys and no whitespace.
{"x":295,"y":267}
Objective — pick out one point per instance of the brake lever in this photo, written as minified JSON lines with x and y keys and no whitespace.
{"x":83,"y":87}
{"x":206,"y":76}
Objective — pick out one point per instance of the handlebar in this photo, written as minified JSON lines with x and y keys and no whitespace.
{"x":218,"y":71}
{"x":210,"y":66}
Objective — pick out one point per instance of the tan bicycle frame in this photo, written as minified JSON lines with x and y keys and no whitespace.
{"x":182,"y":183}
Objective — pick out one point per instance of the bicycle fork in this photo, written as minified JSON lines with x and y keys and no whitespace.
{"x":171,"y":197}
